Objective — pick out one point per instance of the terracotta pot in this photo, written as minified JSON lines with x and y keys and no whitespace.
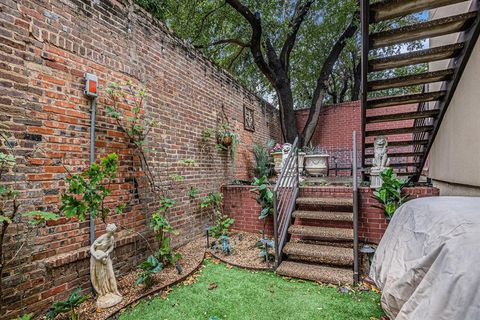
{"x":227,"y":141}
{"x":316,"y":164}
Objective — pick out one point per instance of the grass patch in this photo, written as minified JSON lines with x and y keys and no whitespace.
{"x":241,"y":294}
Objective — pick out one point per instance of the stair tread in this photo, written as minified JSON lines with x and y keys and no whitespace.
{"x":399,"y":164}
{"x":401,"y":143}
{"x":416,"y":57}
{"x":319,"y":273}
{"x":405,"y":99}
{"x":322,"y":232}
{"x":423,"y":30}
{"x":403,"y":116}
{"x":397,"y":154}
{"x":410,"y":80}
{"x":323,"y":215}
{"x":386,"y":132}
{"x":326,"y":254}
{"x":325,"y":201}
{"x":390,"y":9}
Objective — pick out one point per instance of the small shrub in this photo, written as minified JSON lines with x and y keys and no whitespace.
{"x":67,"y":306}
{"x":390,"y":193}
{"x":265,"y":245}
{"x":87,"y":191}
{"x":221,"y":222}
{"x":149,"y":267}
{"x":163,"y":229}
{"x":263,"y":160}
{"x":221,"y":225}
{"x":223,"y":244}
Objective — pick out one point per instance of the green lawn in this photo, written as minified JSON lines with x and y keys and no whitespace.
{"x":242,"y":294}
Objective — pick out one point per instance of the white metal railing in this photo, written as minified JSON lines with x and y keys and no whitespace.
{"x":285,"y":195}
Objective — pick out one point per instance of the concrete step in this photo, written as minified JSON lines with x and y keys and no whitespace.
{"x":323,"y":215}
{"x":330,"y":202}
{"x":330,"y":255}
{"x":318,"y":273}
{"x":322,"y":233}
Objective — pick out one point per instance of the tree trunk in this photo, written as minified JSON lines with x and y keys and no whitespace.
{"x":287,"y":112}
{"x":356,"y":83}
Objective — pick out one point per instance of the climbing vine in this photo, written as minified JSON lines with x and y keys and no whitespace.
{"x":137,"y":127}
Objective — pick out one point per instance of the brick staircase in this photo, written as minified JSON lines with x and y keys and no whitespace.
{"x":320,"y":245}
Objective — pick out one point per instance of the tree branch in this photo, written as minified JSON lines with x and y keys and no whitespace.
{"x":240,"y":51}
{"x":322,"y":81}
{"x":256,"y":38}
{"x":238,"y":42}
{"x":301,"y":10}
{"x":204,"y":19}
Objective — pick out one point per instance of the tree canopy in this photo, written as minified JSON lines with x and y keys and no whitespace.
{"x":297,"y":36}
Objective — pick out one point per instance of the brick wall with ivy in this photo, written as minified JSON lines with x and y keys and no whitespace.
{"x":46,"y":47}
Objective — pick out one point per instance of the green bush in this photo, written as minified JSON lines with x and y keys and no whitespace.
{"x":87,"y":191}
{"x":149,"y":267}
{"x":390,"y":193}
{"x":67,"y":306}
{"x":221,"y":222}
{"x":263,"y":160}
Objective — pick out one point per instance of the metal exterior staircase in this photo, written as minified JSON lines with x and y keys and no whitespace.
{"x":416,"y":139}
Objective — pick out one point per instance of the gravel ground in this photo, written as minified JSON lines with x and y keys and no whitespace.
{"x":245,"y":254}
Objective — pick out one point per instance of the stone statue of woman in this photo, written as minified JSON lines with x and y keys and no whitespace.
{"x":101,"y":270}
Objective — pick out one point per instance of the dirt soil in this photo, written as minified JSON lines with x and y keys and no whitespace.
{"x":245,"y":254}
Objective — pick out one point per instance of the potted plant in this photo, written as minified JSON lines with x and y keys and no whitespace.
{"x":316,"y":162}
{"x":277,"y":154}
{"x":227,"y":139}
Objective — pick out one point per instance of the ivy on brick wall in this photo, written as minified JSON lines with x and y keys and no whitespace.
{"x":11,"y":208}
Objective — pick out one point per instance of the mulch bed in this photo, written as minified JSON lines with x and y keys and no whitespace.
{"x":192,"y":257}
{"x":245,"y":254}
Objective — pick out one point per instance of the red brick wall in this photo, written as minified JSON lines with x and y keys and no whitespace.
{"x":337,"y":122}
{"x":45,"y":49}
{"x":238,"y":204}
{"x":372,"y":221}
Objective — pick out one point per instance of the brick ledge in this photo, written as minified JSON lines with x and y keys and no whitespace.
{"x":62,"y":259}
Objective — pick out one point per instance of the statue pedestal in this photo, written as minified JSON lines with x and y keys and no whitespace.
{"x":108,"y":300}
{"x":376,"y":180}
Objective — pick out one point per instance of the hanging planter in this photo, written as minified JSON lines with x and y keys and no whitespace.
{"x":227,"y":139}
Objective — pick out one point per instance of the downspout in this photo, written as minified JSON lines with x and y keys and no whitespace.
{"x":91,"y":86}
{"x":93,"y":109}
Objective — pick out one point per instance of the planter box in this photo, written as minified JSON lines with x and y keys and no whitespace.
{"x":316,"y":164}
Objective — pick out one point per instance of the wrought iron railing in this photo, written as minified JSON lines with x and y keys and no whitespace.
{"x":285,"y":195}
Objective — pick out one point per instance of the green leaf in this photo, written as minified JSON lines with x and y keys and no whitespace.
{"x":40,"y":216}
{"x":5,"y":219}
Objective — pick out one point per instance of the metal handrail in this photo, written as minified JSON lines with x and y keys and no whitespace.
{"x":356,"y":276}
{"x":284,"y":197}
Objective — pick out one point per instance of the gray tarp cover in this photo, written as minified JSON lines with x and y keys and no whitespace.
{"x":428,"y":262}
